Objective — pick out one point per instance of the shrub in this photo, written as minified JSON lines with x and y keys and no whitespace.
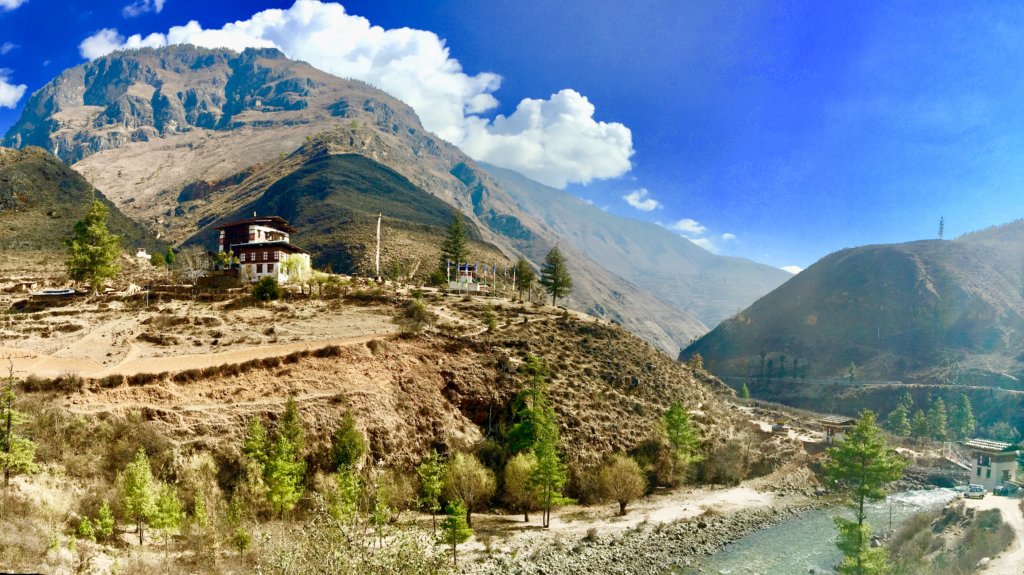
{"x":266,"y":289}
{"x":415,"y":317}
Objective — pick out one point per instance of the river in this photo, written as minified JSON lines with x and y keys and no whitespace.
{"x":805,"y":544}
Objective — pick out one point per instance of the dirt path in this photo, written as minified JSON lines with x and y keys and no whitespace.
{"x":44,"y":365}
{"x":1011,"y":561}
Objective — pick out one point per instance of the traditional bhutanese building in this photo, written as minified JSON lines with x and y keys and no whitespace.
{"x":262,"y":246}
{"x":836,"y":426}
{"x":995,"y":462}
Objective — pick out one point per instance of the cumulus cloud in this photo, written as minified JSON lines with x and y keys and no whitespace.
{"x":7,"y":47}
{"x":9,"y":93}
{"x":689,"y":227}
{"x":140,"y":7}
{"x":8,"y":5}
{"x":554,"y":141}
{"x":639,"y":200}
{"x":792,"y":269}
{"x":727,"y":237}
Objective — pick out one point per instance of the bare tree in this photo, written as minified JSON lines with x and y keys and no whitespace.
{"x":191,"y":263}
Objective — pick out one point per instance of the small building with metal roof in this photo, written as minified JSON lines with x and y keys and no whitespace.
{"x":836,"y":427}
{"x":995,"y":462}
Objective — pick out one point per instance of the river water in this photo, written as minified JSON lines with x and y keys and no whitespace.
{"x":806,"y":542}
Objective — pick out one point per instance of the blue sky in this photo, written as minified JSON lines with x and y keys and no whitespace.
{"x":775,"y":131}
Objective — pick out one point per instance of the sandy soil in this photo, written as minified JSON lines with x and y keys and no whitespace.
{"x":1011,"y":561}
{"x":96,"y":340}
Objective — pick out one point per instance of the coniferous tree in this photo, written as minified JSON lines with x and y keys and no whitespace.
{"x":455,"y":529}
{"x":919,"y":425}
{"x":167,"y":514}
{"x":455,"y":248}
{"x":907,"y":401}
{"x":347,"y":444}
{"x":431,"y":472}
{"x":285,"y":470}
{"x":550,"y":474}
{"x":104,"y":522}
{"x":937,"y":420}
{"x":745,"y":391}
{"x":169,"y":257}
{"x":525,"y":277}
{"x":898,"y":422}
{"x":138,"y":492}
{"x":93,"y":250}
{"x":962,"y":422}
{"x":683,"y":436}
{"x":17,"y":452}
{"x":554,"y":275}
{"x":862,"y":464}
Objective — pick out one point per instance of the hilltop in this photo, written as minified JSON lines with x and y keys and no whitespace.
{"x":179,"y":137}
{"x":930,"y":311}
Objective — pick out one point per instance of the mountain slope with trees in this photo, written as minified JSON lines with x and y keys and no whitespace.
{"x":930,"y":311}
{"x":180,"y":136}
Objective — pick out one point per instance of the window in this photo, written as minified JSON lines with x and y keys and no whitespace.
{"x":979,"y":472}
{"x":265,"y":255}
{"x":270,"y":268}
{"x":1006,"y":475}
{"x":277,"y":256}
{"x":259,"y":268}
{"x":988,"y":473}
{"x":241,"y":257}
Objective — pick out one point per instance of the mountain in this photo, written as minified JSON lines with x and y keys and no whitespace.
{"x":335,"y":200}
{"x":708,"y":286}
{"x":41,"y":199}
{"x":929,"y":311}
{"x":180,"y":137}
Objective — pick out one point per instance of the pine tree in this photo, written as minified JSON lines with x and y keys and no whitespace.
{"x":169,"y":258}
{"x":861,"y":464}
{"x":455,"y":248}
{"x":285,"y":470}
{"x":454,"y":529}
{"x":138,"y":491}
{"x":256,"y":444}
{"x":104,"y":522}
{"x":17,"y":452}
{"x":347,"y":444}
{"x":919,"y":425}
{"x":937,"y":422}
{"x":554,"y":275}
{"x":550,"y":474}
{"x":93,"y":250}
{"x":898,"y":422}
{"x":683,"y":436}
{"x":85,"y":530}
{"x":431,"y":472}
{"x":167,"y":514}
{"x":745,"y":391}
{"x":907,"y":401}
{"x":962,"y":421}
{"x":525,"y":276}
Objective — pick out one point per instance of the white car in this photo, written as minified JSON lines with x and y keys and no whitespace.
{"x":974,"y":491}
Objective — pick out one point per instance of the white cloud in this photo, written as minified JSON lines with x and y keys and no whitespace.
{"x":139,"y":7}
{"x":9,"y":93}
{"x":639,"y":200}
{"x":727,"y":237}
{"x":705,"y":243}
{"x":792,"y":269}
{"x":554,"y":141}
{"x":7,"y":47}
{"x":689,"y":227}
{"x":8,"y":5}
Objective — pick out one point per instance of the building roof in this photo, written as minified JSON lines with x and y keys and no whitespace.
{"x":281,"y":245}
{"x":987,"y":445}
{"x":276,"y":222}
{"x":837,"y":420}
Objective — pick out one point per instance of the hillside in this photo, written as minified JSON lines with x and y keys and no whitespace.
{"x":40,"y":201}
{"x":334,"y":200}
{"x":929,"y":311}
{"x":180,"y":136}
{"x":708,"y":286}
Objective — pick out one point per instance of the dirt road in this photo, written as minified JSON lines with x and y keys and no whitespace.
{"x":1011,"y":561}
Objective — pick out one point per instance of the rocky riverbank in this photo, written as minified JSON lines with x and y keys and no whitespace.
{"x":649,"y":549}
